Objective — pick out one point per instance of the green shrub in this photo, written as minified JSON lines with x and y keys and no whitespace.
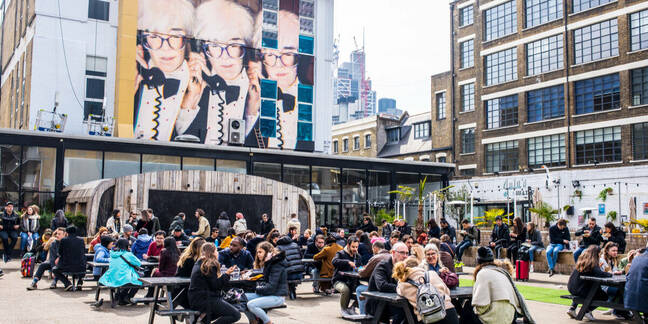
{"x":381,"y":214}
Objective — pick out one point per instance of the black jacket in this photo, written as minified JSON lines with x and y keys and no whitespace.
{"x":618,"y":237}
{"x":450,"y":231}
{"x":365,"y":251}
{"x":293,"y":254}
{"x":580,"y":287}
{"x":184,"y":270}
{"x":341,"y":264}
{"x":72,"y":255}
{"x":203,"y":288}
{"x":557,"y":236}
{"x":182,"y":238}
{"x":405,"y":229}
{"x":593,"y":239}
{"x":435,"y":232}
{"x":180,"y":293}
{"x":521,"y":238}
{"x":56,"y":223}
{"x":177,"y":222}
{"x":275,"y":277}
{"x":369,"y":227}
{"x":252,"y":244}
{"x":311,"y":250}
{"x":536,"y":238}
{"x":8,"y":221}
{"x":500,"y":235}
{"x":266,"y":227}
{"x":381,"y":280}
{"x":151,"y":226}
{"x":243,"y":260}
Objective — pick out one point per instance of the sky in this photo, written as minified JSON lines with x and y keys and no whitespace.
{"x":405,"y":45}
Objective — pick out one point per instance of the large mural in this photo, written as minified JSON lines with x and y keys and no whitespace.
{"x":226,"y":72}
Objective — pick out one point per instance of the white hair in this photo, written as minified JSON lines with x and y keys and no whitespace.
{"x":222,"y":20}
{"x":398,"y":244}
{"x":163,"y":15}
{"x":431,"y":247}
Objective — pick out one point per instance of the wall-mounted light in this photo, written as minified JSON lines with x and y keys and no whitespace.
{"x":576,"y":183}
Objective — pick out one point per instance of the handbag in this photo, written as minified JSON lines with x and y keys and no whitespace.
{"x":137,"y":269}
{"x":450,"y":279}
{"x":236,"y":297}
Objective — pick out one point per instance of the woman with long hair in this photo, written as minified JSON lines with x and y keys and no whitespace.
{"x":433,"y":229}
{"x":113,"y":224}
{"x":59,"y":220}
{"x":97,"y":239}
{"x":168,"y":259}
{"x":587,"y":265}
{"x":418,"y":251}
{"x":408,"y":270}
{"x":185,"y":265}
{"x":29,"y":225}
{"x":263,"y":249}
{"x":518,"y":236}
{"x":613,"y":234}
{"x":609,"y":259}
{"x":533,"y":237}
{"x":207,"y":287}
{"x":272,"y":288}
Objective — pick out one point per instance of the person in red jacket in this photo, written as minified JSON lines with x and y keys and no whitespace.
{"x":155,"y":248}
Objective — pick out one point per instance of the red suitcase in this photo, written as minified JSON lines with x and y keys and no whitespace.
{"x":521,"y":270}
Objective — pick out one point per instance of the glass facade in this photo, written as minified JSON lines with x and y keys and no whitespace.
{"x":232,"y":166}
{"x":467,"y":53}
{"x":597,"y":94}
{"x":82,"y":166}
{"x":502,"y":156}
{"x":117,"y":164}
{"x":297,"y":175}
{"x":500,"y":21}
{"x":155,"y":163}
{"x":545,"y":55}
{"x":326,"y":184}
{"x":546,"y":150}
{"x":268,"y":170}
{"x":598,"y":145}
{"x":502,"y":112}
{"x":192,"y":163}
{"x":639,"y":30}
{"x":501,"y":66}
{"x":379,"y":184}
{"x":580,"y":5}
{"x":353,"y":185}
{"x":539,"y":12}
{"x":468,"y":97}
{"x":545,"y":103}
{"x":595,"y":42}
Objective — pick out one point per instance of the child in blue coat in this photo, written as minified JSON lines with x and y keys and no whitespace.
{"x":122,"y":271}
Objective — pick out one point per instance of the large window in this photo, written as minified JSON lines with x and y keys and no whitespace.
{"x":468,"y":97}
{"x":441,"y":105}
{"x":541,"y":11}
{"x":193,"y":163}
{"x":597,"y":94}
{"x":268,"y":170}
{"x":639,"y":30}
{"x":379,"y":182}
{"x":468,"y":140}
{"x":546,"y":150}
{"x":353,"y":185}
{"x":640,"y":141}
{"x":297,"y":175}
{"x":38,"y":168}
{"x":117,"y":164}
{"x":422,"y":130}
{"x":81,"y":166}
{"x":98,"y":9}
{"x":96,"y":72}
{"x":580,"y":5}
{"x":595,"y":42}
{"x":335,"y":147}
{"x":598,"y":145}
{"x":356,"y":143}
{"x":367,"y":141}
{"x":466,"y":16}
{"x":467,"y":53}
{"x":502,"y":156}
{"x":393,"y":135}
{"x":501,"y":66}
{"x":546,"y":103}
{"x":326,"y":184}
{"x":545,"y":55}
{"x":154,"y":163}
{"x":639,"y":86}
{"x":502,"y":112}
{"x":232,"y":166}
{"x":500,"y":21}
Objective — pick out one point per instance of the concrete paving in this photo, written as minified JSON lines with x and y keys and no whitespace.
{"x":17,"y":305}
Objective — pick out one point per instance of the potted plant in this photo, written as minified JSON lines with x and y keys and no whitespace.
{"x":612,"y":216}
{"x":545,"y":211}
{"x":604,"y":194}
{"x":578,"y":193}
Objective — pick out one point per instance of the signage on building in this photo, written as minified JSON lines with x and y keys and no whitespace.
{"x":645,"y":208}
{"x":601,"y":209}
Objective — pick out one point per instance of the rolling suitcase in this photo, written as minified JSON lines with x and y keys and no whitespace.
{"x":521,"y":270}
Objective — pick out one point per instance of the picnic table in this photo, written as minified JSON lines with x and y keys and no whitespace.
{"x":616,"y":280}
{"x":145,"y":264}
{"x":168,"y":284}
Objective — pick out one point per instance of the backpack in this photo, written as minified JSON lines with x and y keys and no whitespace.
{"x":429,"y":302}
{"x":27,"y":265}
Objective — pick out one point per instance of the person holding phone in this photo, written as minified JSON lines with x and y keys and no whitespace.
{"x":346,"y":260}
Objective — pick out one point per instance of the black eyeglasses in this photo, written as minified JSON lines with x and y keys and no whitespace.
{"x":216,"y":50}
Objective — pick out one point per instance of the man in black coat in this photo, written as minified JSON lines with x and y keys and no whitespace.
{"x":71,"y":258}
{"x":9,"y":227}
{"x":266,"y":224}
{"x":447,"y":229}
{"x":591,"y":234}
{"x":381,"y":280}
{"x":404,"y":228}
{"x":499,"y":237}
{"x":311,"y":250}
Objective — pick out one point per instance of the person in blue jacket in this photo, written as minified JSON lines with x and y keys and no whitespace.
{"x":102,"y":254}
{"x":636,"y":287}
{"x":141,"y":245}
{"x":122,"y":271}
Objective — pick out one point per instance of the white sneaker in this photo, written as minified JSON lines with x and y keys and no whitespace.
{"x":531,"y":268}
{"x":608,"y":312}
{"x":571,"y":313}
{"x":589,"y":317}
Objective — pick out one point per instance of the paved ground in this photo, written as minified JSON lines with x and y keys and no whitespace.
{"x":18,"y":305}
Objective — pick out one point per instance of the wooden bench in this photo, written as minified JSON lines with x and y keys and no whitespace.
{"x":113,"y":302}
{"x":181,"y":314}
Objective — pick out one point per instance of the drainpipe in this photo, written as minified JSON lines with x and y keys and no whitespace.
{"x":452,"y":78}
{"x":567,"y":93}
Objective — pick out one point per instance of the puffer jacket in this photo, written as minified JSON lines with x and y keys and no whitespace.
{"x":293,"y":255}
{"x":177,"y":222}
{"x":341,"y":264}
{"x":275,"y":277}
{"x":119,"y":272}
{"x":101,"y":255}
{"x":141,"y":245}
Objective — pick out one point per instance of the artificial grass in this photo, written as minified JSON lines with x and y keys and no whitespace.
{"x":539,"y":294}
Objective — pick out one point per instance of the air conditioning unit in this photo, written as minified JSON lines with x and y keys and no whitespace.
{"x":236,"y":131}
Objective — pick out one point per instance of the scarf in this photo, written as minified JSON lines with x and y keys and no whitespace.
{"x":520,"y":298}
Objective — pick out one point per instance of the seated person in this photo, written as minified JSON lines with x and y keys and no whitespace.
{"x":313,"y":248}
{"x":141,"y":245}
{"x":180,"y":237}
{"x":155,"y":248}
{"x":447,"y":245}
{"x":52,"y":246}
{"x":407,"y":271}
{"x":128,"y":234}
{"x":558,"y":240}
{"x":381,"y":280}
{"x":293,"y":257}
{"x":38,"y":249}
{"x":613,"y":234}
{"x":446,"y":258}
{"x":587,"y":265}
{"x":252,"y":241}
{"x":379,"y":255}
{"x":122,"y":271}
{"x":102,"y":254}
{"x":272,"y":288}
{"x":364,"y":249}
{"x":213,"y":237}
{"x":226,"y":241}
{"x":499,"y":237}
{"x":325,"y":256}
{"x":636,"y":287}
{"x":97,"y":239}
{"x":168,"y":259}
{"x":469,"y":233}
{"x":346,"y":260}
{"x":395,"y":237}
{"x":432,"y":261}
{"x":306,"y":238}
{"x":235,"y":254}
{"x":71,"y":258}
{"x":185,"y":265}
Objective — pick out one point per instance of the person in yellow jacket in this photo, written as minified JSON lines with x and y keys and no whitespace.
{"x":227,"y":240}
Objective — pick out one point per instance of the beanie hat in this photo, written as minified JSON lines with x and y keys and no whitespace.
{"x":128,"y":228}
{"x":484,"y":255}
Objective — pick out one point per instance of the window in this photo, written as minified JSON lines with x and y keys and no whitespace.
{"x":99,"y":10}
{"x":467,"y":172}
{"x":269,"y":28}
{"x":597,"y":94}
{"x":501,"y":66}
{"x":595,"y":42}
{"x":356,"y":143}
{"x":468,"y":97}
{"x":580,"y":5}
{"x":598,"y":145}
{"x":502,"y":156}
{"x":639,"y":30}
{"x":118,"y":164}
{"x":96,"y":72}
{"x":345,"y":145}
{"x":422,"y":130}
{"x":441,"y":159}
{"x":542,"y":11}
{"x":267,"y":170}
{"x":502,"y":112}
{"x":368,"y":141}
{"x":466,"y":16}
{"x":639,"y":86}
{"x":500,"y":21}
{"x":546,"y":150}
{"x":467,"y":53}
{"x":546,"y":103}
{"x":545,"y":55}
{"x":154,"y":163}
{"x":640,"y":141}
{"x":468,"y":140}
{"x":335,"y":147}
{"x":441,"y":105}
{"x":393,"y":135}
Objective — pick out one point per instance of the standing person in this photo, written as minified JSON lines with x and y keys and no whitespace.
{"x":346,"y":260}
{"x":294,"y":222}
{"x":446,"y":228}
{"x":499,"y":237}
{"x":29,"y":226}
{"x":381,"y":280}
{"x":114,"y":222}
{"x":203,"y":224}
{"x":518,"y":236}
{"x":122,"y":271}
{"x":433,"y":229}
{"x":240,"y":225}
{"x":52,"y":245}
{"x":236,"y":255}
{"x":266,"y":224}
{"x":469,"y":233}
{"x":387,"y":229}
{"x":325,"y":256}
{"x":59,"y":220}
{"x":224,"y":225}
{"x":71,"y":258}
{"x":636,"y":287}
{"x":368,"y":224}
{"x":534,"y":237}
{"x":273,"y":287}
{"x":207,"y":287}
{"x":178,"y":222}
{"x":587,"y":265}
{"x":128,"y":234}
{"x":168,"y":259}
{"x":407,"y":272}
{"x":613,"y":234}
{"x":155,"y":248}
{"x":102,"y":254}
{"x":558,"y":240}
{"x":591,"y":234}
{"x":141,"y":245}
{"x":9,"y":226}
{"x":185,"y":264}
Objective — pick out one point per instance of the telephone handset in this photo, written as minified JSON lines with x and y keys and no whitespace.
{"x":153,"y":77}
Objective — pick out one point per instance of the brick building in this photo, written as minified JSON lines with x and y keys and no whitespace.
{"x":362,"y":137}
